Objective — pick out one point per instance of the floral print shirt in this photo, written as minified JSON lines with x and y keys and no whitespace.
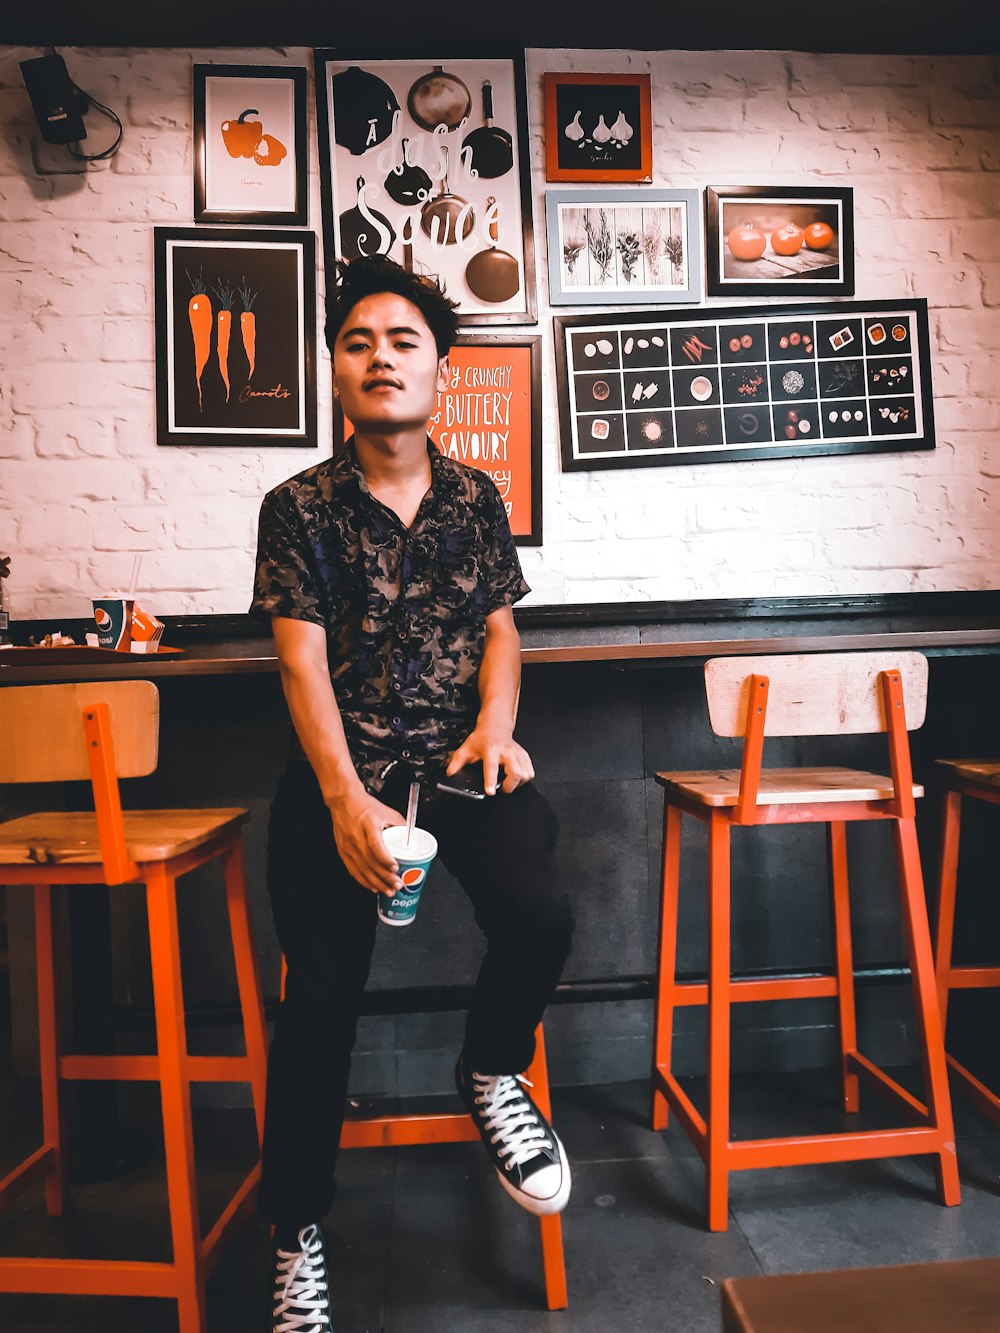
{"x":404,"y":610}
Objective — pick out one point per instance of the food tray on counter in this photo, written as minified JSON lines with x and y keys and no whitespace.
{"x":71,"y":654}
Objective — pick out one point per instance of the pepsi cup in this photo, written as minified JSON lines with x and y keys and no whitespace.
{"x":113,"y":618}
{"x":414,"y":859}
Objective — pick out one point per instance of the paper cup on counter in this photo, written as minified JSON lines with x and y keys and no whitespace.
{"x":414,"y":860}
{"x":113,"y":618}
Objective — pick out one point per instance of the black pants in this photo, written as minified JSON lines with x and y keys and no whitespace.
{"x":501,"y":851}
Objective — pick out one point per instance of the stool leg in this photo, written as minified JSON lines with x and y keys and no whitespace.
{"x":48,"y":1048}
{"x":247,"y":977}
{"x":837,"y":834}
{"x":175,"y":1094}
{"x":926,"y":1000}
{"x":553,"y":1260}
{"x":666,"y":967}
{"x":951,"y":822}
{"x":718,"y":1023}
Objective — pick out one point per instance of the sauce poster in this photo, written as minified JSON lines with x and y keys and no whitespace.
{"x":488,"y":418}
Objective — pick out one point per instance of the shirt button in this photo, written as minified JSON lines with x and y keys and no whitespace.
{"x":406,"y":754}
{"x":396,"y":721}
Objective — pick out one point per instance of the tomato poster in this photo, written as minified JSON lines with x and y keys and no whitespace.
{"x":488,"y":418}
{"x":235,"y":337}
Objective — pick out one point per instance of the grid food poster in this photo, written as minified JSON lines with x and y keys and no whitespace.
{"x":729,"y":384}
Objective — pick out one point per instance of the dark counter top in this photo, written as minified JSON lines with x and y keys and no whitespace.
{"x":625,"y":634}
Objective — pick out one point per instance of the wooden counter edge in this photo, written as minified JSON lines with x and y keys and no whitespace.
{"x":149,"y":668}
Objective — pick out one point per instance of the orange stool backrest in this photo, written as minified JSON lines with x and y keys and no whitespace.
{"x":68,"y":733}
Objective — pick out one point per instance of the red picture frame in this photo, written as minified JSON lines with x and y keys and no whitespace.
{"x":598,"y":127}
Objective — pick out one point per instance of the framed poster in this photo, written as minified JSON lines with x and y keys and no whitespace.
{"x":776,"y":241}
{"x":729,"y":384}
{"x":424,"y":159}
{"x":623,"y":246}
{"x":598,"y":127}
{"x":489,"y":417}
{"x":250,"y":144}
{"x":235,"y":336}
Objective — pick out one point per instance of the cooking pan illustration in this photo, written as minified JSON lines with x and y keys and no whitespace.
{"x":408,"y":184}
{"x":439,"y":98}
{"x":363,"y":109}
{"x":364,"y":230}
{"x":492,"y":148}
{"x":493,"y":275}
{"x":445,"y":209}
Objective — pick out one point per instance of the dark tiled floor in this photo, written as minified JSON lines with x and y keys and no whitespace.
{"x":423,"y":1241}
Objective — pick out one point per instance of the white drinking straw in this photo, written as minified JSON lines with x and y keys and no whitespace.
{"x":411,"y":809}
{"x":136,"y":564}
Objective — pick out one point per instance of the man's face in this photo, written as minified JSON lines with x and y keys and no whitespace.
{"x":386,"y":369}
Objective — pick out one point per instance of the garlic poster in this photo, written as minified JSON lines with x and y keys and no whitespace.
{"x":423,"y":161}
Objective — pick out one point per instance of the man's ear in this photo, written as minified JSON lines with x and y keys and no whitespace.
{"x":336,"y":387}
{"x":444,"y":374}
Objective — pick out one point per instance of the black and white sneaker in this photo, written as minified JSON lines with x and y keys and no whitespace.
{"x":521,"y":1144}
{"x":301,"y":1285}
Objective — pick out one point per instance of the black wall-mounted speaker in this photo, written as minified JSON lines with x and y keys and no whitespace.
{"x":58,"y":107}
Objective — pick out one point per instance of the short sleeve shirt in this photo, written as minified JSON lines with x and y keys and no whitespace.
{"x":404,"y":610}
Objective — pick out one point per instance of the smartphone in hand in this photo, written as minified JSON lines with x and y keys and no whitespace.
{"x":468,"y":781}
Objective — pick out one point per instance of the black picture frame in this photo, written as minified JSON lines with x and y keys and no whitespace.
{"x":381,"y":197}
{"x":521,"y":455}
{"x":735,"y":267}
{"x":232,"y":183}
{"x":244,"y":382}
{"x":739,"y":383}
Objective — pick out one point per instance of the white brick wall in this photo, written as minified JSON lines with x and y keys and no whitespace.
{"x":84,"y":487}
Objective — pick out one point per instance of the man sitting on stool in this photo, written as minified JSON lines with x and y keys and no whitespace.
{"x":390,"y":572}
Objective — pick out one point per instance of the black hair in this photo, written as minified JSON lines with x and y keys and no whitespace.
{"x":369,"y":276}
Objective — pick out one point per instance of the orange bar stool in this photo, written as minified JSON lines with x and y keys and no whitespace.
{"x":978,"y":779}
{"x":102,"y":732}
{"x":406,"y":1130}
{"x":809,"y":695}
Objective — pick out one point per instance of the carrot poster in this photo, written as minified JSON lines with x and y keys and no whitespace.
{"x":235,"y":337}
{"x":488,"y":417}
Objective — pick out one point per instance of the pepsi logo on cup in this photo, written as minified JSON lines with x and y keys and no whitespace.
{"x":413,"y":878}
{"x":102,"y":618}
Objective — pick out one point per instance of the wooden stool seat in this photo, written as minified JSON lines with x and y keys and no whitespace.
{"x":781,"y":786}
{"x":73,"y":838}
{"x":65,"y":733}
{"x":973,"y":770}
{"x":979,"y":780}
{"x":959,"y":1295}
{"x":821,"y":694}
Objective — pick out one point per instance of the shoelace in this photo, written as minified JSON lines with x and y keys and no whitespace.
{"x":509,"y":1113}
{"x":300,"y":1284}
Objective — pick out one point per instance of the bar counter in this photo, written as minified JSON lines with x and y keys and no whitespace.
{"x":935,"y":623}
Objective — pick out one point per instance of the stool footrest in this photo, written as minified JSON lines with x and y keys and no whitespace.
{"x":970,"y":978}
{"x":982,"y":1097}
{"x":24,"y":1175}
{"x":392,"y":1131}
{"x":817,"y":986}
{"x":854,"y":1146}
{"x":88,"y":1277}
{"x":146,"y":1068}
